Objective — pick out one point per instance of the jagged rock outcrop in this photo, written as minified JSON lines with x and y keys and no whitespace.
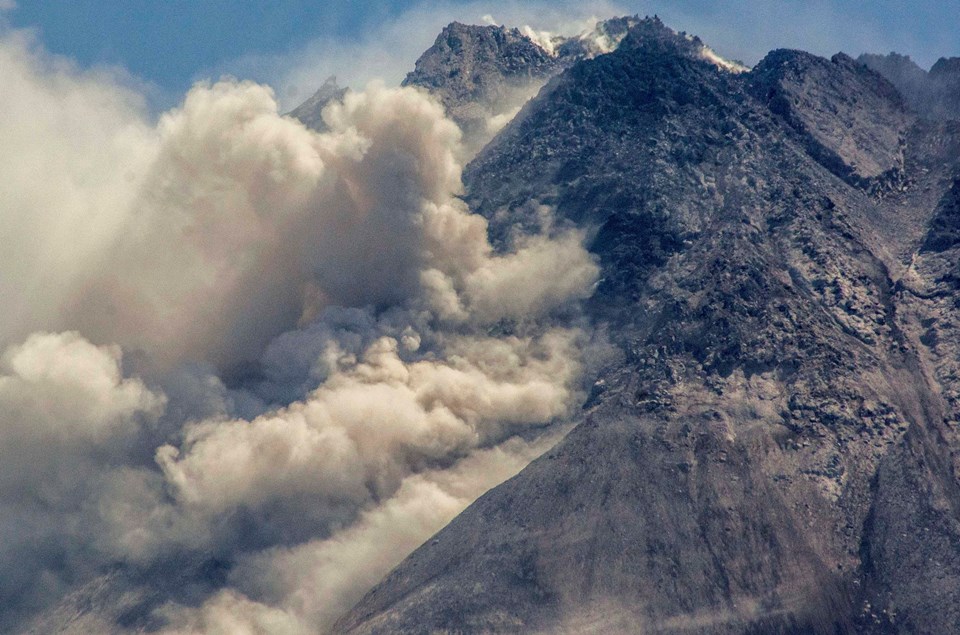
{"x":598,"y":132}
{"x":944,"y":228}
{"x":776,"y":449}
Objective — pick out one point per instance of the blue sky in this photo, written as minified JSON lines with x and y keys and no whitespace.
{"x":294,"y":44}
{"x":171,"y":41}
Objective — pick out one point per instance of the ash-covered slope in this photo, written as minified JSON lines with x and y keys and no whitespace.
{"x":776,"y":449}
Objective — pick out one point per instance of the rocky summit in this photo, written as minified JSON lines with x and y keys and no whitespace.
{"x":774,"y":448}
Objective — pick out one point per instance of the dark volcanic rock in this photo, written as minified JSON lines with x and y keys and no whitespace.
{"x":778,"y":450}
{"x":946,"y":68}
{"x":901,"y":71}
{"x":607,"y":125}
{"x":945,"y":75}
{"x":851,"y":119}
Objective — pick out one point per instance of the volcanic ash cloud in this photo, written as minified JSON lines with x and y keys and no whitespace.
{"x":394,"y":352}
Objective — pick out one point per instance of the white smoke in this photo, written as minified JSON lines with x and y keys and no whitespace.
{"x":544,"y":39}
{"x":596,"y":40}
{"x":65,"y":408}
{"x":393,"y":350}
{"x":233,"y":224}
{"x":714,"y":58}
{"x":67,"y":416}
{"x":372,"y":423}
{"x":75,"y":146}
{"x":312,"y":584}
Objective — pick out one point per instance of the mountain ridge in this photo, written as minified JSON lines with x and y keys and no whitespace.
{"x":776,"y":450}
{"x":933,"y":94}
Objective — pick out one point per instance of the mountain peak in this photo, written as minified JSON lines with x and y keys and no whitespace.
{"x":946,"y":67}
{"x":309,"y":112}
{"x":652,"y":36}
{"x":463,"y":58}
{"x":482,"y":74}
{"x":933,"y":95}
{"x":774,"y":450}
{"x":652,"y":29}
{"x":849,"y":117}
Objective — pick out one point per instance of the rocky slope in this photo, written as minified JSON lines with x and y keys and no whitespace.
{"x":776,"y":449}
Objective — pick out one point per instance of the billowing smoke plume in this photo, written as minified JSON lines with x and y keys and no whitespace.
{"x":306,"y":587}
{"x":230,"y":339}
